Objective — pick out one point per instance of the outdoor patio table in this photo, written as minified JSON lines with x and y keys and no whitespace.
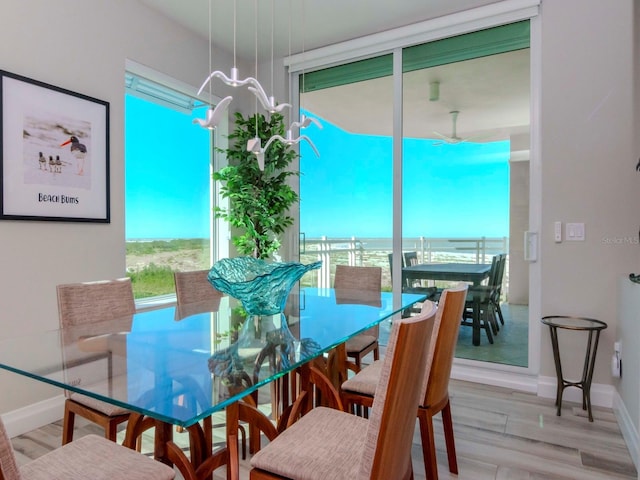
{"x":461,"y":272}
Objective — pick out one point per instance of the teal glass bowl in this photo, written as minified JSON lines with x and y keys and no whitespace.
{"x":262,"y":287}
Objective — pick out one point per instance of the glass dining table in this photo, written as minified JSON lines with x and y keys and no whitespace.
{"x":179,"y":365}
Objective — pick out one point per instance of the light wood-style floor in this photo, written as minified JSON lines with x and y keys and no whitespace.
{"x":500,"y":434}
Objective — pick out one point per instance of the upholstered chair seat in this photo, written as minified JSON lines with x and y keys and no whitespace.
{"x":331,"y":444}
{"x":360,"y":390}
{"x":90,"y":457}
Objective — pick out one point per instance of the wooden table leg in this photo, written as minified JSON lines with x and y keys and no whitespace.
{"x":163,"y":434}
{"x":233,"y":467}
{"x":337,"y":366}
{"x":138,"y":423}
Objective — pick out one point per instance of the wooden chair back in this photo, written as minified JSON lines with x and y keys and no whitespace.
{"x":193,"y":287}
{"x":91,"y":302}
{"x":359,"y":282}
{"x":450,"y":308}
{"x":358,"y":278}
{"x":8,"y":465}
{"x":387,"y":450}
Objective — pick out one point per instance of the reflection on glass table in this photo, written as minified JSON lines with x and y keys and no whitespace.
{"x":179,"y":369}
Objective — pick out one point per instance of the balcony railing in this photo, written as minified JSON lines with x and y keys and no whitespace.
{"x":374,"y":251}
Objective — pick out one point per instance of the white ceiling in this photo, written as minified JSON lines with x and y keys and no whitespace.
{"x":491,"y":93}
{"x":314,"y":23}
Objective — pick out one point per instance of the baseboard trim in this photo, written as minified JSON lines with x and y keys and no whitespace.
{"x":601,"y":394}
{"x":36,"y":415}
{"x":497,"y":378}
{"x":628,"y":429}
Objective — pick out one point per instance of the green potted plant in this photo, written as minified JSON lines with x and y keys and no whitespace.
{"x":259,"y":200}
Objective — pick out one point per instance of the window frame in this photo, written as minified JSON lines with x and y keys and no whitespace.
{"x":219,"y":244}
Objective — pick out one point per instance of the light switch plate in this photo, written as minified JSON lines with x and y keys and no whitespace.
{"x":574,"y":232}
{"x":557,"y":232}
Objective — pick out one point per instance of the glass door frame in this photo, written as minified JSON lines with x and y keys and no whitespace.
{"x":463,"y":369}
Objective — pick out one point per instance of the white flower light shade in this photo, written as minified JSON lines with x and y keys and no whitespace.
{"x":289,"y":140}
{"x":254,"y":146}
{"x":305,"y":122}
{"x":233,"y":80}
{"x":268,"y":103}
{"x":214,"y":115}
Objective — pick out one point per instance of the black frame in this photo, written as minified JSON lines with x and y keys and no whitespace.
{"x":44,"y":175}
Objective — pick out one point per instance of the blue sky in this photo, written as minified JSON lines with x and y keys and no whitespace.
{"x":449,"y":190}
{"x":167,"y":173}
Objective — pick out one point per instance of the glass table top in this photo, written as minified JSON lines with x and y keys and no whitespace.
{"x":573,"y":323}
{"x":180,"y":364}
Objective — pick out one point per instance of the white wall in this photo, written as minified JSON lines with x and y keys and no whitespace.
{"x":588,"y":165}
{"x":80,"y":45}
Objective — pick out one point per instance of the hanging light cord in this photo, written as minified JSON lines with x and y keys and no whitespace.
{"x":210,"y":52}
{"x":303,"y":37}
{"x":255,"y":37}
{"x":290,"y":15}
{"x":234,"y":33}
{"x":272,"y":29}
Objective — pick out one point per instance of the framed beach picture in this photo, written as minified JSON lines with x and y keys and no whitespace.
{"x":54,"y":153}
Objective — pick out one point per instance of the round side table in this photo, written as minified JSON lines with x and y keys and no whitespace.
{"x":593,"y":327}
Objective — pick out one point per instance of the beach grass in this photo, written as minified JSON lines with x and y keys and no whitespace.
{"x":151,"y":264}
{"x":152,"y":280}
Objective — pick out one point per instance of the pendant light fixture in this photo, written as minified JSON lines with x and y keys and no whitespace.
{"x":234,"y":79}
{"x":304,"y":122}
{"x":214,"y":115}
{"x":269,"y":103}
{"x":254,"y":145}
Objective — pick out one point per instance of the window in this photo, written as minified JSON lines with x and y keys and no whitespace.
{"x":168,"y":187}
{"x":465,"y":184}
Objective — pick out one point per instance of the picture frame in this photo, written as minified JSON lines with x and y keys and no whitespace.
{"x":54,"y":153}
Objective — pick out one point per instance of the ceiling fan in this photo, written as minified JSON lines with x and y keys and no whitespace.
{"x":454,"y":138}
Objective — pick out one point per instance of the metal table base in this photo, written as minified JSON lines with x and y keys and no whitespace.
{"x":593,"y":327}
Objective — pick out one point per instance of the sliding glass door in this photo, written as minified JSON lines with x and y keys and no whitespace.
{"x":465,"y":170}
{"x":465,"y":180}
{"x":346,"y":195}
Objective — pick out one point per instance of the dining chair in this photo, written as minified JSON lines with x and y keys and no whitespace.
{"x":84,"y":304}
{"x":328,"y":443}
{"x":194,"y":287}
{"x":497,"y":292}
{"x":361,"y":279}
{"x":390,"y":257}
{"x":361,"y":389}
{"x":415,"y":286}
{"x":482,"y":300}
{"x":88,"y":457}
